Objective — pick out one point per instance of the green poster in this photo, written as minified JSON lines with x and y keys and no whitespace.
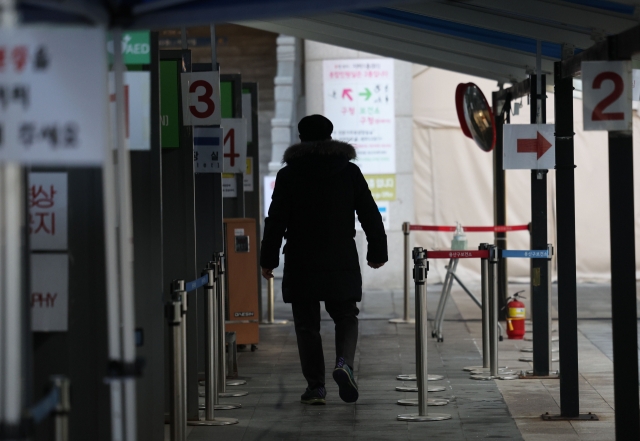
{"x":169,"y":104}
{"x":136,"y":47}
{"x":226,"y":98}
{"x":383,"y":187}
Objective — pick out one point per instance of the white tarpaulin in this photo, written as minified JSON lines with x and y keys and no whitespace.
{"x":454,"y":182}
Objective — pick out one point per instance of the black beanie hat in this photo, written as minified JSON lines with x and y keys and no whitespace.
{"x":315,"y":128}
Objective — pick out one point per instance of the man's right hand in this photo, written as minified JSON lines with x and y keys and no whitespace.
{"x":375,"y":265}
{"x":267,"y":273}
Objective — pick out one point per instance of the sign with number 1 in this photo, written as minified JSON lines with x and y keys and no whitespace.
{"x":201,"y":98}
{"x":606,"y":95}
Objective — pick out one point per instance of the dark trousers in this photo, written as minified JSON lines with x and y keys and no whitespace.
{"x":306,"y":317}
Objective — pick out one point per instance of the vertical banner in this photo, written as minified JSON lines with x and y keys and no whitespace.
{"x":47,"y":201}
{"x":137,"y":109}
{"x":359,"y":101}
{"x":49,"y":292}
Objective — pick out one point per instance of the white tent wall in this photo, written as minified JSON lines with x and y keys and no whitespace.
{"x":453,"y":181}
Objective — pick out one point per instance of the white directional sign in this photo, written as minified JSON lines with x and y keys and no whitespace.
{"x":529,"y":146}
{"x":235,"y":145}
{"x":53,"y":106}
{"x":207,"y":150}
{"x":606,"y":95}
{"x":201,"y":98}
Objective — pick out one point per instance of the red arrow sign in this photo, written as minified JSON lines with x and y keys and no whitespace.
{"x":347,"y":93}
{"x":540,"y":145}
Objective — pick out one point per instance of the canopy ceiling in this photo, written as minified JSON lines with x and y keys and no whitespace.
{"x":495,"y":39}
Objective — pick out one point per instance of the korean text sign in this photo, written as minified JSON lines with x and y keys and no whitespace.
{"x":47,"y":201}
{"x":359,"y":101}
{"x":53,"y":106}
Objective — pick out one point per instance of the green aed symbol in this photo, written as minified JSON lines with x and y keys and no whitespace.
{"x":136,"y":47}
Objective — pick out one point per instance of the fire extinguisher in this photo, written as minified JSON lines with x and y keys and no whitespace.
{"x":515,"y":317}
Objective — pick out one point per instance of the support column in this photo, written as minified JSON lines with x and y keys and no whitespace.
{"x":624,"y":318}
{"x":500,"y":200}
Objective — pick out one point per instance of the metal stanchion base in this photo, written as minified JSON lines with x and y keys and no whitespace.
{"x":427,"y":417}
{"x":501,"y":371}
{"x":531,"y":350}
{"x":232,"y":394}
{"x":528,"y":375}
{"x":236,"y":383}
{"x":415,"y":389}
{"x":530,"y":359}
{"x":217,"y":421}
{"x":553,"y":339}
{"x":430,"y":402}
{"x":483,"y":377}
{"x":482,"y":368}
{"x":275,"y":322}
{"x":402,"y":321}
{"x":413,"y":377}
{"x":226,"y":406}
{"x":509,"y":377}
{"x":582,"y":417}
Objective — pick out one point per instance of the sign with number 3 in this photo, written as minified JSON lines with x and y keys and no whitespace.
{"x":201,"y":98}
{"x":606,"y":95}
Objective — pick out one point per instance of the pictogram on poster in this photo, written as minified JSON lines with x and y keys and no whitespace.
{"x":359,"y":101}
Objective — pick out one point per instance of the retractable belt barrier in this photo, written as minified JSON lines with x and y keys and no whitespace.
{"x":407,"y":228}
{"x":420,"y":272}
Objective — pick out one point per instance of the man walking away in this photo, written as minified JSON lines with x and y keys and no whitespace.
{"x":313,"y":207}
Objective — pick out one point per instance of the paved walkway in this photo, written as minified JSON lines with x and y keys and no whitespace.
{"x":480,"y":410}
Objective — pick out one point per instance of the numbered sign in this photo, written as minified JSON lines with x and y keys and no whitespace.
{"x":207,"y":150}
{"x":606,"y":95}
{"x":201,"y":99}
{"x":235,"y":145}
{"x":53,"y":106}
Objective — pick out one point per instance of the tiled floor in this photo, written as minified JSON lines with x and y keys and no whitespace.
{"x":480,"y":410}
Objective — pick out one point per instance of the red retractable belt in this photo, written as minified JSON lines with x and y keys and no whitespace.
{"x":458,"y":254}
{"x":491,"y":229}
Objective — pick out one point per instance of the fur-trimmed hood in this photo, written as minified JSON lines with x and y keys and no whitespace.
{"x":328,"y":148}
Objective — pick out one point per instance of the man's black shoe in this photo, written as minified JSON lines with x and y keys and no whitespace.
{"x":343,"y":375}
{"x":314,"y":396}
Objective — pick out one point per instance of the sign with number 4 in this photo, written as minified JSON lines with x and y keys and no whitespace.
{"x":201,"y":98}
{"x":606,"y":95}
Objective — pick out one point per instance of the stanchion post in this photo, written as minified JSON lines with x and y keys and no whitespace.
{"x":211,"y":345}
{"x":61,"y":412}
{"x":486,"y":326}
{"x":406,"y":231}
{"x":178,"y":416}
{"x":271,"y":301}
{"x":420,"y":270}
{"x":222,"y":353}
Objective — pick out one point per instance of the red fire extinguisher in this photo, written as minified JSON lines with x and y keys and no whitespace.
{"x":515,"y":317}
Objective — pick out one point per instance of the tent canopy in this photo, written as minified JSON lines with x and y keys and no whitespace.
{"x":495,"y":39}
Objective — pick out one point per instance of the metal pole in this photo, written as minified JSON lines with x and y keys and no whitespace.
{"x":624,"y":318}
{"x":175,"y":320}
{"x":406,"y":231}
{"x":271,"y":300}
{"x":222,"y":353}
{"x":211,"y":346}
{"x":446,"y":292}
{"x":63,"y":408}
{"x":484,"y":287}
{"x":420,"y":270}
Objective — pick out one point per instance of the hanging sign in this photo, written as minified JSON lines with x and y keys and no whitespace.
{"x":137,"y":109}
{"x":207,"y":150}
{"x":235,"y":145}
{"x":248,"y":175}
{"x":201,"y":98}
{"x":136,"y":47}
{"x":49,"y":297}
{"x":606,"y":95}
{"x":529,"y":146}
{"x":229,"y":185}
{"x":53,"y":107}
{"x":359,"y":101}
{"x":47,"y":200}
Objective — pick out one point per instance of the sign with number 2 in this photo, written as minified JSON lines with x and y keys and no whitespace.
{"x":201,"y":98}
{"x":606,"y":95}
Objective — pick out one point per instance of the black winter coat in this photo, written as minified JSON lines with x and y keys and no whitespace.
{"x":313,"y":207}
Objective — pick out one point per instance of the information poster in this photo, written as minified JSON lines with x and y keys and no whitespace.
{"x":49,"y":292}
{"x":359,"y":101}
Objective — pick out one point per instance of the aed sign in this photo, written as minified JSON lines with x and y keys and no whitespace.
{"x":529,"y":146}
{"x":606,"y":95}
{"x":201,"y":98}
{"x":235,"y":145}
{"x":53,"y":107}
{"x":136,"y":47}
